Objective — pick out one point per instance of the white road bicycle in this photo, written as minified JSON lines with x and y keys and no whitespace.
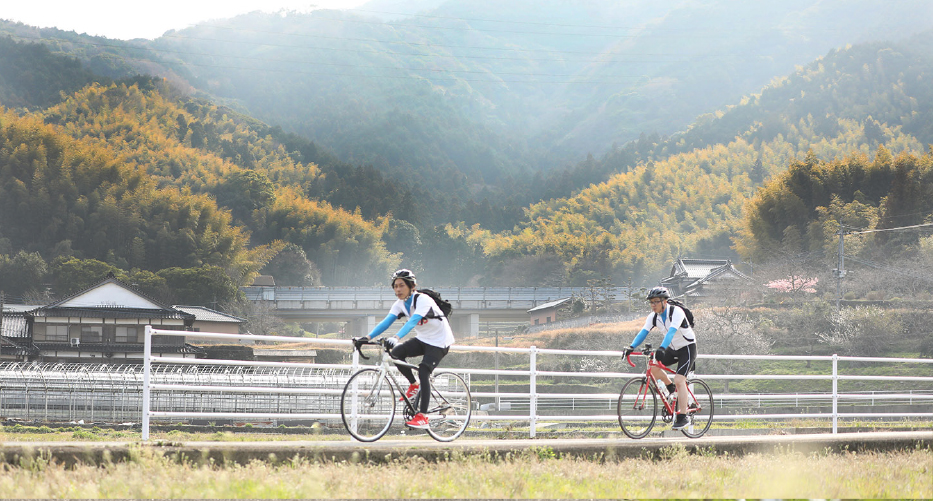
{"x":372,"y":395}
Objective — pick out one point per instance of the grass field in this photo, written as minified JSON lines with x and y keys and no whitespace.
{"x":534,"y":474}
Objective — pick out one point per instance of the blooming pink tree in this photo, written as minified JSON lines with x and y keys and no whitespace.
{"x":794,"y":284}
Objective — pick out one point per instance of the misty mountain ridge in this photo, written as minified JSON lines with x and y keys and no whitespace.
{"x":693,"y":183}
{"x":466,"y":94}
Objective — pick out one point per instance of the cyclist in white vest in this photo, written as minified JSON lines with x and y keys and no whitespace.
{"x":432,"y":341}
{"x":680,"y":339}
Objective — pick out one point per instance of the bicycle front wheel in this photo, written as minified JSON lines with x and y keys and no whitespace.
{"x":637,"y":408}
{"x":700,"y":409}
{"x":367,"y":405}
{"x":451,"y":407}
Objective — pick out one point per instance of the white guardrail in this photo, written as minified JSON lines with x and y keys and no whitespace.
{"x":533,"y":397}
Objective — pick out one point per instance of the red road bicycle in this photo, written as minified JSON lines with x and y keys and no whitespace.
{"x":638,"y":402}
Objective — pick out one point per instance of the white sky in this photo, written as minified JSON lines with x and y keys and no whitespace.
{"x":127,"y":19}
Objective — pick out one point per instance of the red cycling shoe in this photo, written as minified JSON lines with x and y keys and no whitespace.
{"x":410,"y":392}
{"x":420,"y":421}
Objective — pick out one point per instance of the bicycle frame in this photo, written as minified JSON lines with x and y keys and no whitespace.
{"x":669,"y":403}
{"x":637,"y":406}
{"x":385,"y":374}
{"x":448,"y":418}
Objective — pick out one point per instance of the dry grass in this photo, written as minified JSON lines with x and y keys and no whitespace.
{"x":532,"y":475}
{"x":545,"y":338}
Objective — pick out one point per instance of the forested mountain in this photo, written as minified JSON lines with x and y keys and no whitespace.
{"x":141,"y":173}
{"x":480,"y":94}
{"x":692,"y":203}
{"x":129,"y":189}
{"x":801,"y":209}
{"x":893,"y":88}
{"x":61,"y":196}
{"x":33,"y":77}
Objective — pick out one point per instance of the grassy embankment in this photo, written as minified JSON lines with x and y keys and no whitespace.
{"x":534,"y":474}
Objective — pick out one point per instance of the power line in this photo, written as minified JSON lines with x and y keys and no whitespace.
{"x":470,"y":28}
{"x":898,"y":271}
{"x":320,"y":63}
{"x":890,"y":229}
{"x":537,"y":23}
{"x":423,"y":44}
{"x":534,"y":23}
{"x":381,"y":76}
{"x":599,"y":55}
{"x":653,"y":56}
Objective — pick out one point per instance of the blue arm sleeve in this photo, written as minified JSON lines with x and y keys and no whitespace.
{"x":379,"y":329}
{"x":668,"y":337}
{"x":409,"y":325}
{"x":642,"y":334}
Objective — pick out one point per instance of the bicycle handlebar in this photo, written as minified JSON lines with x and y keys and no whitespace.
{"x":381,"y":342}
{"x":646,"y":352}
{"x":358,"y":347}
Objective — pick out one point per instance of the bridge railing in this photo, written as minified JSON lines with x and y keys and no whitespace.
{"x":321,"y":400}
{"x":500,"y":296}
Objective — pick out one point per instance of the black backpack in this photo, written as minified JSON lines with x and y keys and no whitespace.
{"x":670,"y":313}
{"x":443,"y":304}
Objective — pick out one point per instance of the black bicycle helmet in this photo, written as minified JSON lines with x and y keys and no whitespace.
{"x":405,"y":274}
{"x":660,"y":292}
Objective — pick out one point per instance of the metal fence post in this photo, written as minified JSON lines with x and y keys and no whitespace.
{"x":835,"y":390}
{"x":147,"y":353}
{"x":354,"y":406}
{"x":533,"y":392}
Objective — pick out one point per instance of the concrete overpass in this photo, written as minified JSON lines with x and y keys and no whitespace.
{"x":363,"y":307}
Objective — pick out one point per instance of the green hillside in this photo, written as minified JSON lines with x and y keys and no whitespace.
{"x":476,"y":105}
{"x":59,"y":195}
{"x":237,"y":184}
{"x":693,"y":202}
{"x":113,"y":177}
{"x":33,"y":77}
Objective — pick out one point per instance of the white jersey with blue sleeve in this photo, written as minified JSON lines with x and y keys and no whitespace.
{"x":432,"y":331}
{"x":666,"y":320}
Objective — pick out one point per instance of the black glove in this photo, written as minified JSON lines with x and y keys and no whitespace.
{"x":359,"y":341}
{"x":390,"y":343}
{"x":659,"y":355}
{"x":627,"y":351}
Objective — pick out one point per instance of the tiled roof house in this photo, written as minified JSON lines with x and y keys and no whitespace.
{"x":102,"y":323}
{"x":700,"y":278}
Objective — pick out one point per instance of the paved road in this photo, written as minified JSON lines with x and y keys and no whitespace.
{"x":388,"y":450}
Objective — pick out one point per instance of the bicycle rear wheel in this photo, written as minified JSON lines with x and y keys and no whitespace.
{"x":367,"y":405}
{"x":637,"y":408}
{"x":451,"y":407}
{"x":700,"y":409}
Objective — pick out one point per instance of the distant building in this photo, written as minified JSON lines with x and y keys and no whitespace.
{"x":14,"y":332}
{"x":699,"y":278}
{"x":103,"y":323}
{"x":547,"y":312}
{"x":208,"y":320}
{"x":264,"y":281}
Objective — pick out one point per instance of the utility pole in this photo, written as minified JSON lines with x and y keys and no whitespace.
{"x":844,"y":230}
{"x":1,"y":313}
{"x":840,"y":271}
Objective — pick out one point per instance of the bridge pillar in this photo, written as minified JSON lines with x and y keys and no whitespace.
{"x":465,"y":325}
{"x":361,"y":326}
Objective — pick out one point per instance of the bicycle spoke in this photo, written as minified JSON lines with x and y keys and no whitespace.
{"x":367,"y":405}
{"x":637,"y":408}
{"x":700,"y":410}
{"x":453,"y":406}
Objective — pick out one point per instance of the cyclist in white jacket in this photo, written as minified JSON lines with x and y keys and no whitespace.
{"x":681,"y":339}
{"x":432,"y":343}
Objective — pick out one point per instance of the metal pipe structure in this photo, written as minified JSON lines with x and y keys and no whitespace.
{"x":165,"y":389}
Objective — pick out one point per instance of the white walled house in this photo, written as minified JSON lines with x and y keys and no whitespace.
{"x":104,"y":323}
